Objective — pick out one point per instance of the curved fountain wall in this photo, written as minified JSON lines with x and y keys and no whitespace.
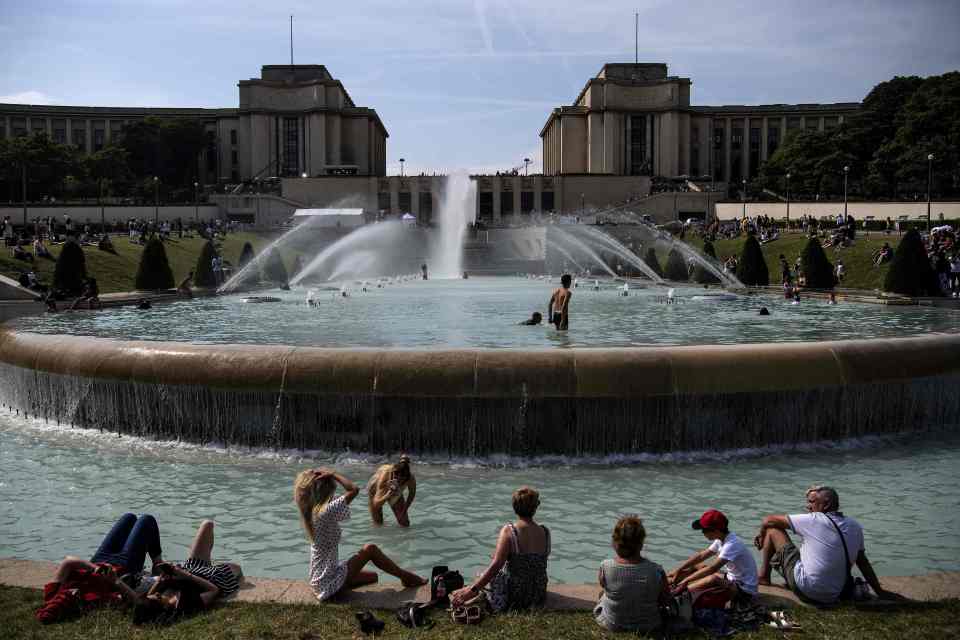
{"x":479,"y":402}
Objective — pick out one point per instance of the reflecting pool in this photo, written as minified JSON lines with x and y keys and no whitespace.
{"x":486,"y":312}
{"x":61,"y":488}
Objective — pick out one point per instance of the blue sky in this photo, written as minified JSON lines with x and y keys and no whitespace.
{"x":461,"y":83}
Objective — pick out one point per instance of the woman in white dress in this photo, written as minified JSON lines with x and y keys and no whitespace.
{"x":321,"y":515}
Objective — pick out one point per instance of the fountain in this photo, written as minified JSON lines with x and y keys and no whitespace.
{"x":457,"y":211}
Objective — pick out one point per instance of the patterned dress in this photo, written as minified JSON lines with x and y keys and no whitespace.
{"x":327,"y":573}
{"x":522,"y":581}
{"x":221,"y":575}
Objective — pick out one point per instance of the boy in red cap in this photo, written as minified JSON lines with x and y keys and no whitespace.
{"x":739,"y":569}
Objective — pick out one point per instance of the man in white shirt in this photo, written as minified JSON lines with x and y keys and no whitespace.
{"x":818,"y":570}
{"x":734,"y":569}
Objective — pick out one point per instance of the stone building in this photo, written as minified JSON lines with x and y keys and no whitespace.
{"x":635,"y":120}
{"x":292,"y":120}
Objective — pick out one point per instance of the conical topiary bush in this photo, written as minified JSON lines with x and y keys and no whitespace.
{"x":911,"y":273}
{"x":70,"y":270}
{"x":752,"y":268}
{"x":203,"y":275}
{"x":154,"y":272}
{"x":701,"y":274}
{"x":273,"y":269}
{"x":653,"y":261}
{"x":817,"y":269}
{"x":676,"y":267}
{"x":246,"y":255}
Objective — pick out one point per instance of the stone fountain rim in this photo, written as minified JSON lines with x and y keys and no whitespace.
{"x":589,"y":372}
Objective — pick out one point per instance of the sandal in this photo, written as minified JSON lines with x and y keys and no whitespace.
{"x":368,"y":623}
{"x":780,"y":621}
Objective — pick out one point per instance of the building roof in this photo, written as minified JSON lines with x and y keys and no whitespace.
{"x":104,"y":112}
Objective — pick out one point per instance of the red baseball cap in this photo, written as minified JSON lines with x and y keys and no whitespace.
{"x":711,"y":519}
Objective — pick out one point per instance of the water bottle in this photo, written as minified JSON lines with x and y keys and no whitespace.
{"x":441,"y":587}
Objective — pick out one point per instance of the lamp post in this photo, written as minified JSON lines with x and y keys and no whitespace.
{"x":401,"y":166}
{"x":583,"y":197}
{"x":929,"y":186}
{"x":156,"y":203}
{"x":788,"y":200}
{"x":846,"y":171}
{"x":100,"y":198}
{"x":196,"y":203}
{"x":23,"y":189}
{"x":526,"y":165}
{"x":744,"y":197}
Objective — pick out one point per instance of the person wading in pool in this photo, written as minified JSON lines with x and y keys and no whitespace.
{"x":559,"y":305}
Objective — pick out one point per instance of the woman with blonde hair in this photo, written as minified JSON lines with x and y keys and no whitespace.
{"x":517,"y":574}
{"x":387,"y":485}
{"x":321,"y":515}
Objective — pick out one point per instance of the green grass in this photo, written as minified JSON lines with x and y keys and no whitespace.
{"x":857,"y":260}
{"x":116,"y":272}
{"x":241,"y":621}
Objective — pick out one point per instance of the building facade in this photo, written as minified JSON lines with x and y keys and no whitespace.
{"x":635,"y":120}
{"x":292,"y":120}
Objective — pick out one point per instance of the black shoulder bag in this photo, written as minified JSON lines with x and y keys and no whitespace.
{"x":849,"y":585}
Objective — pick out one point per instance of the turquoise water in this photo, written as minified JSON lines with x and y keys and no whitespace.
{"x":61,"y":489}
{"x":485,"y":312}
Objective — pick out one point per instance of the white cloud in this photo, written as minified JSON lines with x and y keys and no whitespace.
{"x":27,"y":97}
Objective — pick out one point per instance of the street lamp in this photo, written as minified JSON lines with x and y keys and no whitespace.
{"x":929,"y":185}
{"x":582,"y":205}
{"x":526,"y":165}
{"x":788,"y":201}
{"x":744,"y":197}
{"x":156,"y":202}
{"x":846,"y":171}
{"x":401,"y":167}
{"x":100,"y":199}
{"x":196,"y":203}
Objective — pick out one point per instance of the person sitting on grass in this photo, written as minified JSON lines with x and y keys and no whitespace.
{"x":517,"y":573}
{"x":20,"y":253}
{"x":633,"y":587}
{"x":321,"y":515}
{"x":185,"y":588}
{"x":79,"y":585}
{"x":819,"y":571}
{"x":734,"y":571}
{"x":105,"y":244}
{"x":885,"y":254}
{"x":40,"y":250}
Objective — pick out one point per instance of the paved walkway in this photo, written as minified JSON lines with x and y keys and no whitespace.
{"x":33,"y":575}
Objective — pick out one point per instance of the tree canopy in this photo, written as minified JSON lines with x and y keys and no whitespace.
{"x":885,"y":145}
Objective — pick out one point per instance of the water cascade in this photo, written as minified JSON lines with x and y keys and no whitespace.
{"x":252,"y":268}
{"x":457,"y":211}
{"x":354,"y":250}
{"x":564,"y":238}
{"x":622,"y":252}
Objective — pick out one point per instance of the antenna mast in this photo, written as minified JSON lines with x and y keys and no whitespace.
{"x":636,"y":38}
{"x":291,"y":43}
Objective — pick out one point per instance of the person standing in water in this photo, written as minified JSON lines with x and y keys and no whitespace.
{"x":559,"y":305}
{"x":387,"y":487}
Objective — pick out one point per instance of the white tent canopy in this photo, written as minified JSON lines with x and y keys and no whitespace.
{"x":330,"y":217}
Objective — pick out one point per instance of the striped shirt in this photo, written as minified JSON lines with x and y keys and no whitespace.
{"x":221,"y":575}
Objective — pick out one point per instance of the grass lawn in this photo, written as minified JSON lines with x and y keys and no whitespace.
{"x":857,"y":260}
{"x":117,"y":272}
{"x":315,"y":622}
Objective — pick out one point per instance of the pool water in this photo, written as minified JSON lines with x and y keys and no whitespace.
{"x":62,"y":488}
{"x":486,"y":312}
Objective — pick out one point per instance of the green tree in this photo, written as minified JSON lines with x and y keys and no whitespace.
{"x":653,"y":261}
{"x":70,"y":270}
{"x":46,"y":165}
{"x":203,"y":275}
{"x":752,"y":268}
{"x":701,"y":274}
{"x":167,"y":148}
{"x":273,"y":269}
{"x":676,"y":267}
{"x":154,"y":271}
{"x":911,"y":273}
{"x":246,"y":255}
{"x":817,"y":269}
{"x":107,"y":169}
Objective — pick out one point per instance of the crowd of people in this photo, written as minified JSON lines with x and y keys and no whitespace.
{"x":636,"y":593}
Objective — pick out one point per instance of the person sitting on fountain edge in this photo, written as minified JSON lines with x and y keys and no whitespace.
{"x":533,"y":320}
{"x":559,"y":305}
{"x":832,"y":543}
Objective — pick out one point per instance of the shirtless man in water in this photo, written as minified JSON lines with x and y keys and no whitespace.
{"x":557,"y":308}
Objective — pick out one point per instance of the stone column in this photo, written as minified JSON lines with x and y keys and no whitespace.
{"x":538,"y":194}
{"x":517,"y":190}
{"x":745,"y":148}
{"x":728,"y":134}
{"x":333,"y":144}
{"x":763,"y":139}
{"x":89,"y":143}
{"x":496,"y":199}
